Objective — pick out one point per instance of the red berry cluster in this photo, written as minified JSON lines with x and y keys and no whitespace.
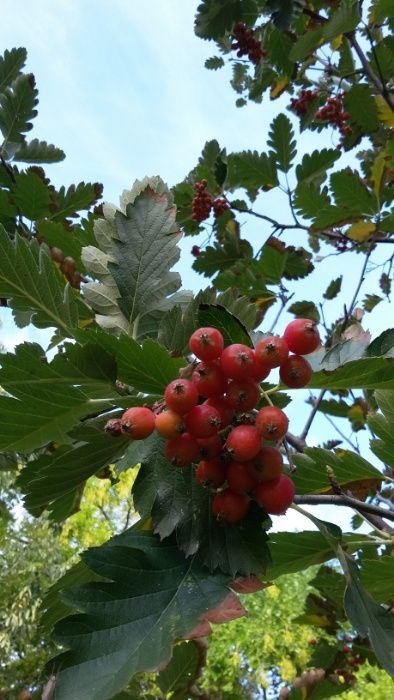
{"x":211,"y":419}
{"x":245,"y":43}
{"x":333,"y":113}
{"x":352,"y":664}
{"x":203,"y":202}
{"x":300,"y":104}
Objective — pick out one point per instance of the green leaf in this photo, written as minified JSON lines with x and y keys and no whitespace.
{"x":383,"y":345}
{"x":312,"y":470}
{"x":221,"y":256}
{"x":214,"y":63}
{"x":178,"y":324}
{"x":339,"y":409}
{"x":305,"y":309}
{"x":346,"y":65}
{"x":333,"y":288}
{"x":381,"y":9}
{"x":251,"y":171}
{"x":129,"y":623}
{"x":182,"y":670}
{"x":282,"y":12}
{"x":32,"y":196}
{"x":370,"y":301}
{"x":17,"y":108}
{"x":67,"y":203}
{"x":343,"y":352}
{"x":217,"y":316}
{"x":313,"y":167}
{"x":278,"y":45}
{"x":377,"y":577}
{"x":360,"y":103}
{"x":39,"y":152}
{"x":244,"y":310}
{"x":247,"y":278}
{"x":272,"y":261}
{"x":351,"y":194}
{"x":309,"y":200}
{"x":34,"y":286}
{"x":306,"y":44}
{"x":213,"y":18}
{"x":382,"y":424}
{"x":367,"y":617}
{"x":11,"y":64}
{"x":281,"y":139}
{"x":343,"y":19}
{"x":368,"y":373}
{"x":298,"y":263}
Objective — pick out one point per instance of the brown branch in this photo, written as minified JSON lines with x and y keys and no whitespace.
{"x":296,"y":442}
{"x":369,"y":72}
{"x":343,"y":500}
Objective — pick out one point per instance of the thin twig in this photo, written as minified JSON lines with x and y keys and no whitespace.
{"x":343,"y":500}
{"x":316,"y":403}
{"x":343,"y":436}
{"x":369,"y":72}
{"x":349,"y":310}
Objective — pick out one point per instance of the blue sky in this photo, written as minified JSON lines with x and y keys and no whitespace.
{"x":123,"y":90}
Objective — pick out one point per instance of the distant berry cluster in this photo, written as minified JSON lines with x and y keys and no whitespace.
{"x":246,"y":44}
{"x":333,"y":113}
{"x":203,"y":202}
{"x":300,"y":104}
{"x":212,"y":420}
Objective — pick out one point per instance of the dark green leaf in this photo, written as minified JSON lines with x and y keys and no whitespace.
{"x":369,"y":373}
{"x":8,"y":461}
{"x":244,"y":310}
{"x":219,"y":257}
{"x":360,"y":103}
{"x":214,"y":63}
{"x":273,"y":261}
{"x":333,"y":288}
{"x":278,"y":45}
{"x":306,"y":44}
{"x":346,"y":65}
{"x":313,"y":167}
{"x":343,"y":19}
{"x":281,"y":140}
{"x":382,"y":425}
{"x":214,"y":18}
{"x":377,"y":577}
{"x":217,"y":316}
{"x":351,"y":194}
{"x":39,"y":152}
{"x":312,"y":474}
{"x":282,"y":12}
{"x":298,"y":263}
{"x":76,"y":197}
{"x":308,"y":200}
{"x":129,"y":623}
{"x":383,"y":345}
{"x":182,"y":670}
{"x":17,"y":108}
{"x":251,"y":171}
{"x":305,"y":309}
{"x":339,"y":409}
{"x":11,"y":64}
{"x":32,"y":196}
{"x":369,"y":618}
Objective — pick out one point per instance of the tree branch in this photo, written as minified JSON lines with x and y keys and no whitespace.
{"x":381,"y":88}
{"x":343,"y":500}
{"x":316,"y":403}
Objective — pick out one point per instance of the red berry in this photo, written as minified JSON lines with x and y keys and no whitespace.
{"x":240,"y":478}
{"x":243,"y":394}
{"x":195,"y":251}
{"x":312,"y":642}
{"x":211,"y":473}
{"x":210,"y":447}
{"x":138,"y":422}
{"x":225,"y":411}
{"x":243,"y":443}
{"x":272,"y":423}
{"x":202,"y":421}
{"x":302,"y":336}
{"x":209,"y":379}
{"x":295,"y":372}
{"x":206,"y":343}
{"x":169,"y":424}
{"x":346,"y":649}
{"x":275,"y":496}
{"x":182,"y":450}
{"x":230,"y":507}
{"x":237,"y":361}
{"x":267,"y":464}
{"x":181,"y":395}
{"x":261,"y":371}
{"x":271,"y":351}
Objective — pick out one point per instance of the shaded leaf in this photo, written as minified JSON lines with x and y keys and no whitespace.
{"x":69,"y":202}
{"x":217,"y":316}
{"x":11,"y":64}
{"x":343,"y":19}
{"x":306,"y":44}
{"x":383,"y":345}
{"x":213,"y":18}
{"x":312,"y":475}
{"x":17,"y":108}
{"x":251,"y":171}
{"x":382,"y":425}
{"x":36,"y":151}
{"x":282,"y":12}
{"x":351,"y":194}
{"x":281,"y":140}
{"x":305,"y":309}
{"x":368,"y":373}
{"x":309,"y":201}
{"x":377,"y":577}
{"x":32,"y":196}
{"x":333,"y":288}
{"x":214,"y":63}
{"x":313,"y":167}
{"x":360,"y":103}
{"x":182,"y":670}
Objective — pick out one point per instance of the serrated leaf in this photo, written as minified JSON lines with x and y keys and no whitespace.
{"x":351,"y":195}
{"x":382,"y":346}
{"x":67,"y":203}
{"x":367,"y":617}
{"x":346,"y":64}
{"x":129,"y":623}
{"x":221,"y":256}
{"x":368,"y":373}
{"x":32,"y":196}
{"x":343,"y":19}
{"x":382,"y":425}
{"x":251,"y":171}
{"x":349,"y":468}
{"x":217,"y":316}
{"x":278,"y":45}
{"x":247,"y":278}
{"x":214,"y":63}
{"x":17,"y":108}
{"x":282,"y":12}
{"x":341,"y":353}
{"x":281,"y":140}
{"x":309,"y":200}
{"x":213,"y":18}
{"x":305,"y":309}
{"x":306,"y":44}
{"x":273,"y":260}
{"x":385,"y":113}
{"x":332,"y":407}
{"x":313,"y":167}
{"x":11,"y":64}
{"x":380,"y":10}
{"x":34,"y":286}
{"x":333,"y":288}
{"x":36,"y":151}
{"x":244,"y":310}
{"x":359,"y":102}
{"x":298,"y":263}
{"x":370,"y":301}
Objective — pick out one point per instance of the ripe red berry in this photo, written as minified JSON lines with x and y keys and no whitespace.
{"x":240,"y":478}
{"x":169,"y":424}
{"x":202,"y":421}
{"x":209,"y":379}
{"x":272,"y":423}
{"x":267,"y":464}
{"x":206,"y":343}
{"x":138,"y":422}
{"x":230,"y":507}
{"x":210,"y":447}
{"x":243,"y":394}
{"x":295,"y":372}
{"x":237,"y":361}
{"x":211,"y":473}
{"x":181,"y":395}
{"x":243,"y":443}
{"x":261,"y":371}
{"x":182,"y":450}
{"x":225,"y":411}
{"x":275,"y":496}
{"x":302,"y":336}
{"x":195,"y":251}
{"x":272,"y":351}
